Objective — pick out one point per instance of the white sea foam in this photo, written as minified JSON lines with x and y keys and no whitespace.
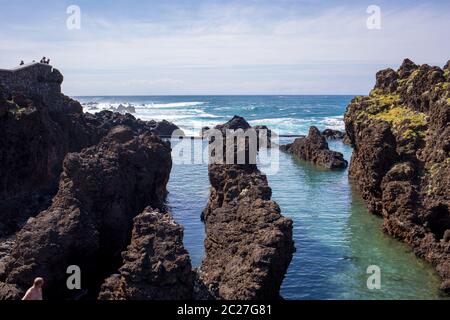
{"x":191,"y":117}
{"x":336,"y":123}
{"x":279,"y":121}
{"x":170,"y":105}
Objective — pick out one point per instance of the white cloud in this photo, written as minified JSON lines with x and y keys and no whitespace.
{"x":180,"y":50}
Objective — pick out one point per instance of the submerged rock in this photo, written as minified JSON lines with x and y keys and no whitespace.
{"x":248,"y":242}
{"x":314,"y":148}
{"x":100,"y":192}
{"x":156,"y":264}
{"x":401,"y":139}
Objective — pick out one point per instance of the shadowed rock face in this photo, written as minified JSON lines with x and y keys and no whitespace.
{"x":156,"y":265}
{"x":248,"y":242}
{"x":401,"y":161}
{"x":89,"y":223}
{"x":314,"y":148}
{"x":39,"y":127}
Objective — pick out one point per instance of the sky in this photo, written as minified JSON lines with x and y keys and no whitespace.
{"x":181,"y":47}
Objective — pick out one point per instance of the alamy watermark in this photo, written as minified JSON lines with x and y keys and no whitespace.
{"x":374,"y":280}
{"x":374,"y":20}
{"x":73,"y":22}
{"x":74,"y":279}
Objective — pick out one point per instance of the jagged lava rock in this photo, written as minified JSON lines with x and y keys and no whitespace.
{"x":248,"y":242}
{"x":314,"y":148}
{"x":39,"y":127}
{"x":156,"y":265}
{"x":89,"y":223}
{"x":401,"y":160}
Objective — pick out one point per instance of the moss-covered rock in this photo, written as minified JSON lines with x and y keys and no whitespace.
{"x":401,"y":162}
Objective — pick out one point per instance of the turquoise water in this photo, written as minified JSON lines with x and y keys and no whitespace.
{"x":336,"y":238}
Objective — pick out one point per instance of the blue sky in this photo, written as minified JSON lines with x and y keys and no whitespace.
{"x":138,"y":47}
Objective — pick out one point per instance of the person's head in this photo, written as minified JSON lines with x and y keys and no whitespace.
{"x":38,"y":282}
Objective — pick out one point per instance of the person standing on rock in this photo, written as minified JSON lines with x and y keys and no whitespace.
{"x":35,"y":292}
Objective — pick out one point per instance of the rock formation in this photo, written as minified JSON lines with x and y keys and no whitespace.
{"x":239,"y":123}
{"x":401,"y":162}
{"x":314,"y":148}
{"x":124,"y":109}
{"x":110,"y":167}
{"x":39,"y":81}
{"x":100,"y":192}
{"x":333,"y":134}
{"x":39,"y":127}
{"x":156,"y":265}
{"x":248,"y":242}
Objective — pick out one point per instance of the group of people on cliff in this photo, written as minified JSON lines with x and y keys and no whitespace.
{"x":44,"y":60}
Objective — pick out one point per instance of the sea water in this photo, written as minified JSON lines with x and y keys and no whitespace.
{"x":337,"y":240}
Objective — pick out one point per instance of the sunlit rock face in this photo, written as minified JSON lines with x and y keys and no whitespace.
{"x":401,"y":162}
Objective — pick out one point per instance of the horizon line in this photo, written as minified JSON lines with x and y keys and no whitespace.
{"x":216,"y":95}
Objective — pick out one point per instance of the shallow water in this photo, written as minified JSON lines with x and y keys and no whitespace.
{"x":335,"y":236}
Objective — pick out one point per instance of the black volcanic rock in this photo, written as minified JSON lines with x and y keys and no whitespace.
{"x":39,"y":127}
{"x":333,"y":134}
{"x":406,"y":69}
{"x":387,"y":80}
{"x":163,"y":128}
{"x":235,"y":123}
{"x":401,"y":160}
{"x":100,"y":123}
{"x":156,"y":264}
{"x":100,"y":192}
{"x":248,"y":242}
{"x":314,"y":148}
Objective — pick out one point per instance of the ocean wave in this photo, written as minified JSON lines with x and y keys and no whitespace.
{"x":336,"y":123}
{"x":301,"y":125}
{"x":277,"y":121}
{"x":169,"y":105}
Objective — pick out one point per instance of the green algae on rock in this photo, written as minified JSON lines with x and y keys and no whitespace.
{"x":401,"y":141}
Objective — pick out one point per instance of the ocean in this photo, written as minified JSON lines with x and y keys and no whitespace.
{"x":337,"y":240}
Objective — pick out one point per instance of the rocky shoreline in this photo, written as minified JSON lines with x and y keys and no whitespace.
{"x":401,"y":139}
{"x":89,"y":190}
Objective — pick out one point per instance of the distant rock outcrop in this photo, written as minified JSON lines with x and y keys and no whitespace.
{"x":401,"y":162}
{"x":125,"y":109}
{"x":248,"y":242}
{"x":314,"y":148}
{"x":100,"y":192}
{"x":156,"y":264}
